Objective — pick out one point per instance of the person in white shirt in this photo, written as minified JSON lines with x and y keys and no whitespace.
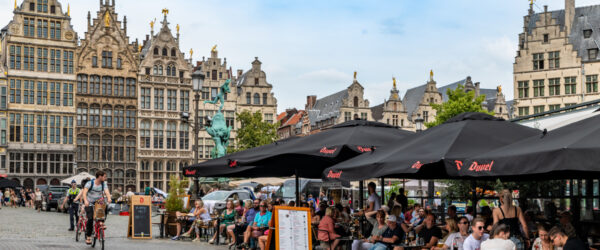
{"x":374,"y":201}
{"x":456,"y":239}
{"x":473,"y":242}
{"x":499,"y":240}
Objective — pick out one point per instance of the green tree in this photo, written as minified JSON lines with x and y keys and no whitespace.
{"x":254,"y":131}
{"x":458,"y":102}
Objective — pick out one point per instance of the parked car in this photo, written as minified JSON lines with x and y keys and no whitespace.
{"x":52,"y":195}
{"x":216,"y":201}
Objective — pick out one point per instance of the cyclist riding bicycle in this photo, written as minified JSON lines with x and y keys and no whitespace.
{"x":93,"y":191}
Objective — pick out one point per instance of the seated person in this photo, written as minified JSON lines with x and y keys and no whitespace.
{"x":260,"y":224}
{"x":240,"y":226}
{"x":379,"y":226}
{"x":227,"y":218}
{"x":320,"y":213}
{"x":327,"y":229}
{"x":429,"y":232}
{"x":419,"y":218}
{"x":197,"y":216}
{"x":392,"y":235}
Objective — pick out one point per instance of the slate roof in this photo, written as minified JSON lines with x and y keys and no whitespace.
{"x":327,"y":107}
{"x":377,"y":112}
{"x":412,"y":98}
{"x":587,"y":17}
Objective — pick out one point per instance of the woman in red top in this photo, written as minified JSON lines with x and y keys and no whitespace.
{"x":327,"y":229}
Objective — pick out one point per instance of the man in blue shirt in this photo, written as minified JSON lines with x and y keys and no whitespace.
{"x":261,"y":220}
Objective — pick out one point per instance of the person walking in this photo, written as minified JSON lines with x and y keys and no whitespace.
{"x":512,"y":216}
{"x":37,"y":197}
{"x":29,"y":197}
{"x":73,"y":206}
{"x":92,"y":192}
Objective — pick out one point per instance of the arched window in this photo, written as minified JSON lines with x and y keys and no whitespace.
{"x":171,"y":166}
{"x":155,"y":70}
{"x":156,"y":51}
{"x":82,"y":84}
{"x":145,"y":134}
{"x":158,"y":134}
{"x":158,"y":166}
{"x":119,"y":148}
{"x":119,"y":117}
{"x":356,"y":101}
{"x":95,"y":85}
{"x":173,"y":71}
{"x":160,"y":70}
{"x":173,"y":52}
{"x":94,"y":115}
{"x":184,"y":136}
{"x":172,"y":135}
{"x":256,"y":98}
{"x":131,"y":117}
{"x":164,"y":52}
{"x":107,"y":116}
{"x":130,"y":150}
{"x":168,"y":70}
{"x":82,"y":114}
{"x":82,"y":141}
{"x":94,"y":148}
{"x":107,"y":148}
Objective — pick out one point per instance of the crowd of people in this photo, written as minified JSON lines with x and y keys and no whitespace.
{"x":25,"y":197}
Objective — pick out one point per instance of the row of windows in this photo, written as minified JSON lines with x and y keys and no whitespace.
{"x":158,"y":140}
{"x":164,"y":51}
{"x":107,"y":60}
{"x":554,"y":86}
{"x":105,"y":148}
{"x":40,"y":93}
{"x":107,"y":116}
{"x":48,"y":60}
{"x":348,"y":116}
{"x":553,"y":60}
{"x":256,"y":98}
{"x":157,"y":70}
{"x":159,"y":99}
{"x":29,"y":25}
{"x":41,"y":163}
{"x":524,"y":111}
{"x":32,"y":128}
{"x":106,"y":85}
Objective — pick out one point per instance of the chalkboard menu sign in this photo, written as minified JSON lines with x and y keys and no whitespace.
{"x":140,"y":224}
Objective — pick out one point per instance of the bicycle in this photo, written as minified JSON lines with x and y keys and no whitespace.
{"x":98,"y":232}
{"x":80,"y":227}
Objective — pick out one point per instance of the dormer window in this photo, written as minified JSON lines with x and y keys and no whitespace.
{"x":173,"y":52}
{"x":587,"y":33}
{"x":592,"y":54}
{"x":164,"y":51}
{"x":256,"y":81}
{"x":156,"y":51}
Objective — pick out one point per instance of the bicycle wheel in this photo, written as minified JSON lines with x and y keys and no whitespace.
{"x":94,"y":239}
{"x":101,"y":237}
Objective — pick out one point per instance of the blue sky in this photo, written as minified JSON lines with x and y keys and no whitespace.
{"x":312,"y":47}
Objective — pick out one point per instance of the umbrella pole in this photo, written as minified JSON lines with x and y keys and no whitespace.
{"x":297,"y":189}
{"x":382,"y":191}
{"x":474,"y":197}
{"x":361,"y":195}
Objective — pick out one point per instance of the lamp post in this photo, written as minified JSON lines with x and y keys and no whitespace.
{"x":197,"y":82}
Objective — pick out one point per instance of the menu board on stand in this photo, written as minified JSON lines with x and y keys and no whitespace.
{"x":292,"y":228}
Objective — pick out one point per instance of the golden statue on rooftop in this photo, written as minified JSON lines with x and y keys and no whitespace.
{"x":152,"y":24}
{"x":499,"y":88}
{"x":68,"y":9}
{"x":394,"y":79}
{"x":177,"y":27}
{"x":431,"y":75}
{"x":214,"y":48}
{"x":165,"y":11}
{"x":191,"y":52}
{"x":354,"y":75}
{"x":106,"y":19}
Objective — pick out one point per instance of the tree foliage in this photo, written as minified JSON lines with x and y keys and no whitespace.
{"x":458,"y":102}
{"x":254,"y":131}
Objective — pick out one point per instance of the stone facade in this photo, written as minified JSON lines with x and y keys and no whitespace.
{"x":417,"y":101}
{"x":557,"y":63}
{"x":392,"y":111}
{"x":494,"y":98}
{"x":290,"y":123}
{"x":165,"y":87}
{"x":37,"y":110}
{"x":107,"y":99}
{"x":254,"y":93}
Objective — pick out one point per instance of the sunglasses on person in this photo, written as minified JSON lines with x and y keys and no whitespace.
{"x":480,"y":228}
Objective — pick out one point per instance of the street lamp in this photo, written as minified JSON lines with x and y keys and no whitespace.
{"x":197,"y":82}
{"x":419,"y":123}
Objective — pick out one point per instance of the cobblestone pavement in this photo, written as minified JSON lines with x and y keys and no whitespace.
{"x":24,"y":228}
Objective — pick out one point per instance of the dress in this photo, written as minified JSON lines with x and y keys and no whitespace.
{"x":228,"y":218}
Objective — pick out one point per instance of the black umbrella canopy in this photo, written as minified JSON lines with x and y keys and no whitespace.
{"x":305,"y":156}
{"x":6,"y":183}
{"x":436,"y":153}
{"x":572,"y":151}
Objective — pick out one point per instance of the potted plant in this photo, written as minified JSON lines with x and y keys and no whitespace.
{"x":174,"y":202}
